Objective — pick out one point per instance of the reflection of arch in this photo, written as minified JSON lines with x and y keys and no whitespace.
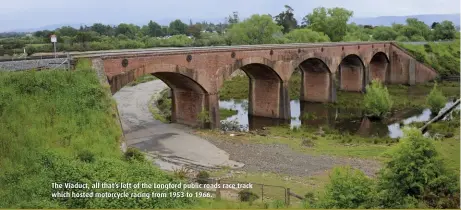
{"x":317,"y":84}
{"x":378,"y":67}
{"x":351,"y":74}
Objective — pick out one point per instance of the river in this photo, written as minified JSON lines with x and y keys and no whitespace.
{"x":316,"y":115}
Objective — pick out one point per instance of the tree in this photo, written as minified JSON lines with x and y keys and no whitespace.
{"x":305,"y":35}
{"x":177,"y":27}
{"x":436,"y":100}
{"x":194,"y":30}
{"x":332,"y":21}
{"x":129,"y":30}
{"x":416,"y":27}
{"x":153,"y":29}
{"x":286,"y":19}
{"x":348,"y":188}
{"x":445,"y":31}
{"x":434,"y":24}
{"x":384,"y":33}
{"x":67,"y":31}
{"x":415,"y":173}
{"x":377,"y":100}
{"x":102,"y":29}
{"x":234,"y":18}
{"x":258,"y":29}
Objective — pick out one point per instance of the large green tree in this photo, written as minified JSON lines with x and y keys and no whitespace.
{"x":286,"y":19}
{"x":153,"y":29}
{"x":129,"y":30}
{"x":384,"y":33}
{"x":445,"y":31}
{"x":416,"y":29}
{"x":258,"y":29}
{"x":177,"y":27}
{"x":331,"y":21}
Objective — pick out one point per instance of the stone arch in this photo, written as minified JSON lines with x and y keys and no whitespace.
{"x":189,"y":96}
{"x":268,"y":97}
{"x":317,"y":81}
{"x":351,"y":74}
{"x":379,"y":67}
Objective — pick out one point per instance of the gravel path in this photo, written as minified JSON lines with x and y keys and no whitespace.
{"x":278,"y":158}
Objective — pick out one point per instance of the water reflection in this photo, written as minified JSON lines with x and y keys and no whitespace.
{"x":318,"y":114}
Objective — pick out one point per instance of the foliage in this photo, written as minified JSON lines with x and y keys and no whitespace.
{"x":247,"y":196}
{"x":133,"y":154}
{"x":384,"y":33}
{"x":202,"y":177}
{"x":177,"y":27}
{"x":377,"y":99}
{"x":436,"y":100}
{"x":348,"y":188}
{"x":204,"y":116}
{"x":60,"y":126}
{"x":417,"y":174}
{"x":331,"y":21}
{"x":286,"y":19}
{"x":181,"y":172}
{"x":445,"y":31}
{"x":258,"y":29}
{"x":306,"y":35}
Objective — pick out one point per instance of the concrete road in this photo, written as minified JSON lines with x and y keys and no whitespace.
{"x":171,"y":145}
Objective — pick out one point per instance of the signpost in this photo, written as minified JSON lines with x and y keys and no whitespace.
{"x":54,"y":39}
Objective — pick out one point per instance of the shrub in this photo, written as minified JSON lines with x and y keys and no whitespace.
{"x":181,"y":173}
{"x":348,"y":188}
{"x":247,"y":196}
{"x":436,"y":100}
{"x":86,"y":156}
{"x":202,"y":177}
{"x":377,"y":99}
{"x":134,"y":154}
{"x":416,"y":174}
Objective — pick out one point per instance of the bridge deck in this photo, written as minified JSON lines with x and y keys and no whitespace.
{"x":108,"y":53}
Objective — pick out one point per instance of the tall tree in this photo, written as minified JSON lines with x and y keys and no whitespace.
{"x":194,"y":30}
{"x":258,"y":29}
{"x":153,"y":29}
{"x":129,"y":30}
{"x":416,"y":28}
{"x":332,"y":21}
{"x":445,"y":31}
{"x":178,"y":27}
{"x":286,"y":19}
{"x":234,"y":18}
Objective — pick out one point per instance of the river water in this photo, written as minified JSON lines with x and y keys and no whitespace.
{"x":321,"y":115}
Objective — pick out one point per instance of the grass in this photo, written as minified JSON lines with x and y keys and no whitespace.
{"x":334,"y":144}
{"x":61,"y":126}
{"x":142,"y":79}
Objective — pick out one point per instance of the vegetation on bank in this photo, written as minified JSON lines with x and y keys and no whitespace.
{"x":377,"y":101}
{"x":443,"y":57}
{"x":436,"y":100}
{"x":58,"y":127}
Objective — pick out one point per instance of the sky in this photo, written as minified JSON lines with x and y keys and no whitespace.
{"x":23,"y":14}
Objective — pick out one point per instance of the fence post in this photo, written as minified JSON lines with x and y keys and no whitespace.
{"x":288,"y":196}
{"x":218,"y":190}
{"x":262,"y":193}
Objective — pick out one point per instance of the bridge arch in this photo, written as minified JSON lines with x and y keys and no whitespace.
{"x":189,"y":97}
{"x":267,"y":93}
{"x":379,"y":66}
{"x":351,"y":74}
{"x":316,"y":81}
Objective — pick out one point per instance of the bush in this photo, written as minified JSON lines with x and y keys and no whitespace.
{"x":247,"y":196}
{"x":348,"y":188}
{"x":134,"y":154}
{"x":416,"y":174}
{"x":202,"y":177}
{"x":86,"y":156}
{"x":436,"y":100}
{"x":377,"y":99}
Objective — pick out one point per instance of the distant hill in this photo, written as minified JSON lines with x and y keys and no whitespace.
{"x":388,"y":20}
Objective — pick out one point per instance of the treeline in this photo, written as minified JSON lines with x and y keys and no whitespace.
{"x":321,"y":25}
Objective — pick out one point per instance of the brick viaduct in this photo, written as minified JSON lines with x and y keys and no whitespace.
{"x":195,"y":75}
